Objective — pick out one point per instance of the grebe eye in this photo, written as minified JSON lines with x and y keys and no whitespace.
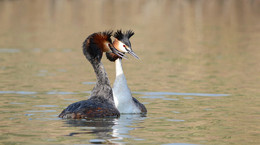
{"x":123,"y":45}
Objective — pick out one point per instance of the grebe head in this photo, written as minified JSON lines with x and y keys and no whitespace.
{"x":97,"y":43}
{"x":122,"y":42}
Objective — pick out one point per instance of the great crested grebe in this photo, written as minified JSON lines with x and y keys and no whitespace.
{"x":101,"y":103}
{"x":123,"y":98}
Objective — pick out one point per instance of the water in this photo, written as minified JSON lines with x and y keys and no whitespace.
{"x":198,"y":75}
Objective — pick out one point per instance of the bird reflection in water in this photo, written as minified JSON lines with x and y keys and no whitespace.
{"x":107,"y":130}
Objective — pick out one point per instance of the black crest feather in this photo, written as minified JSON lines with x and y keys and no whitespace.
{"x":124,"y":36}
{"x":108,"y":33}
{"x":129,"y":33}
{"x":119,"y":34}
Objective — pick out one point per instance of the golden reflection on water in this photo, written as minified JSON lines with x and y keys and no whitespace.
{"x":184,"y":46}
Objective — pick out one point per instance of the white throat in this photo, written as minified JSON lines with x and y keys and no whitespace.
{"x":122,"y":94}
{"x":119,"y":68}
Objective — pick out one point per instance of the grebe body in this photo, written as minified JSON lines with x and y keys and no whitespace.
{"x":101,"y":103}
{"x":124,"y":101}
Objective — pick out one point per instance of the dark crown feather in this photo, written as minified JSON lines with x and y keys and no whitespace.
{"x":120,"y":35}
{"x":108,"y":33}
{"x":129,"y":33}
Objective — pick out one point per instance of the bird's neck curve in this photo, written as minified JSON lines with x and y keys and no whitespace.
{"x":102,"y":87}
{"x":100,"y":73}
{"x":119,"y":68}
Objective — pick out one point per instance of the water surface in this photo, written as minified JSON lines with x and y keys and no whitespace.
{"x":198,"y":75}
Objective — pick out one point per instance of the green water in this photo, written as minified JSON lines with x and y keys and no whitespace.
{"x":198,"y":75}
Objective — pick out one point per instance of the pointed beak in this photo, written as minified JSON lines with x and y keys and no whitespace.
{"x":115,"y":51}
{"x":133,"y":54}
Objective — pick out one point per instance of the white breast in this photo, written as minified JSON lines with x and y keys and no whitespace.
{"x":122,"y":94}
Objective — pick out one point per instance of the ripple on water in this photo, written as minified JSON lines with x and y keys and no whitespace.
{"x":60,"y":93}
{"x":17,"y":92}
{"x":47,"y":106}
{"x":175,"y":112}
{"x":153,"y":97}
{"x":179,"y":144}
{"x":43,"y":71}
{"x":97,"y":141}
{"x":67,"y":50}
{"x":208,"y":109}
{"x":160,"y":97}
{"x":9,"y":50}
{"x":139,"y":139}
{"x":180,"y":94}
{"x":187,"y":98}
{"x":71,"y":99}
{"x":171,"y":99}
{"x":28,"y":114}
{"x":86,"y":92}
{"x":16,"y":103}
{"x":45,"y":111}
{"x":25,"y":93}
{"x":36,"y":50}
{"x":62,"y":70}
{"x":88,"y":83}
{"x":175,"y":120}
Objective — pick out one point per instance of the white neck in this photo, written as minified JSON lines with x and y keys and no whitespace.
{"x":119,"y":68}
{"x":122,"y":94}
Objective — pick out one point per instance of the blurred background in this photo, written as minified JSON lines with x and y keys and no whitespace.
{"x":172,"y":38}
{"x":185,"y":46}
